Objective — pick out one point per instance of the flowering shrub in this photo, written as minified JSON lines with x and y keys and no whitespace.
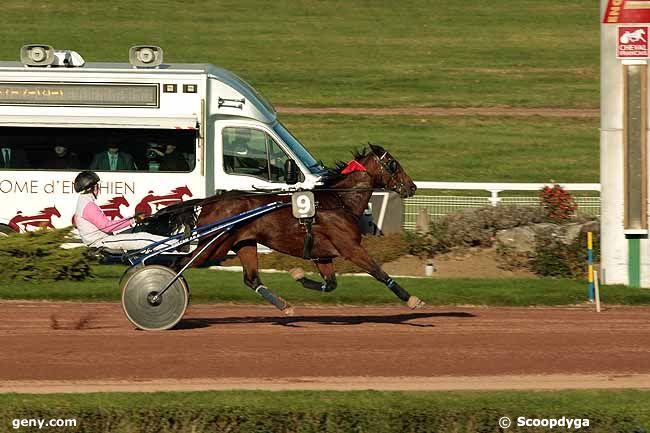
{"x":557,"y":203}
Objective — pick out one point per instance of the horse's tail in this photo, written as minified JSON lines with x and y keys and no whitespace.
{"x":177,"y":218}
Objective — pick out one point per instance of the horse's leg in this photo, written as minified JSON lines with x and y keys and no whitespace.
{"x":326,"y":269}
{"x":247,"y":254}
{"x":359,"y":256}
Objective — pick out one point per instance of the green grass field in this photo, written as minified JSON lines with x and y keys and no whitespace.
{"x":334,"y":53}
{"x":308,"y":411}
{"x":378,"y":54}
{"x":462,"y":148}
{"x":208,"y":286}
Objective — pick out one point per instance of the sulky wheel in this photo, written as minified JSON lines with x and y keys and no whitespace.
{"x":131,"y":270}
{"x":126,"y":275}
{"x":140,"y":306}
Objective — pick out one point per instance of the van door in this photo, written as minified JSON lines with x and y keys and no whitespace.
{"x":250,"y":156}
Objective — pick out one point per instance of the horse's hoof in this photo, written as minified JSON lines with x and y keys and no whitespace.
{"x":414,"y":303}
{"x":297,"y":273}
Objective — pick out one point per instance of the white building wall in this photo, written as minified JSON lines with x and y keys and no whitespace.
{"x":614,"y":245}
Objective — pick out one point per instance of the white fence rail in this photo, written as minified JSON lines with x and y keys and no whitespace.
{"x":437,"y":205}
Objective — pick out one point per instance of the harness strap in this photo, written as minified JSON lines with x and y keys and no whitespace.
{"x":308,"y":242}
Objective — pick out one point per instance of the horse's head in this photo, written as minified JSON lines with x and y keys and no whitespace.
{"x":387,"y":172}
{"x":52,"y":211}
{"x":182,"y":190}
{"x":119,"y":201}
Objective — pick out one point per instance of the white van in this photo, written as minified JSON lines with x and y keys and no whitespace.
{"x":155,"y":133}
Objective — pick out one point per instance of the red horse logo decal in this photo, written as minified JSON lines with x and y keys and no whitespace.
{"x":151,"y":201}
{"x":43,"y":219}
{"x":112,"y":209}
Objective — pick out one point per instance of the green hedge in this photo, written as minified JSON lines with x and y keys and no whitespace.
{"x":335,"y":412}
{"x":38,"y":256}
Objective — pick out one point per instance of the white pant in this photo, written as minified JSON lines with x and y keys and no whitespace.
{"x":128,"y":241}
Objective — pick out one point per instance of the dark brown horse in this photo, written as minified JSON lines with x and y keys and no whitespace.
{"x":335,"y":230}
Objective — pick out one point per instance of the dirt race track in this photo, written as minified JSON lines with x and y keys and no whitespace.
{"x":65,"y":347}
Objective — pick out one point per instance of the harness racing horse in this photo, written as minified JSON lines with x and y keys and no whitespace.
{"x":335,"y":231}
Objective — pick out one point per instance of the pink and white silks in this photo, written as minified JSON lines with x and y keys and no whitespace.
{"x":97,"y":231}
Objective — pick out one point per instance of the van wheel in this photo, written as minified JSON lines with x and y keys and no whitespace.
{"x":5,"y":231}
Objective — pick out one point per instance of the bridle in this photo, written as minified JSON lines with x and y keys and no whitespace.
{"x":389,"y":167}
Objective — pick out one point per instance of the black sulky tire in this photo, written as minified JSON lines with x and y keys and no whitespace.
{"x":126,"y":275}
{"x":138,"y":290}
{"x":5,"y":231}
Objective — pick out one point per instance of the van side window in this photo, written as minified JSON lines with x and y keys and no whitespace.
{"x":251,"y":152}
{"x":110,"y":149}
{"x":277,"y":160}
{"x":12,"y":157}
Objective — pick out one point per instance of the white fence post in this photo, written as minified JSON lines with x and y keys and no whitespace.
{"x":494,"y":196}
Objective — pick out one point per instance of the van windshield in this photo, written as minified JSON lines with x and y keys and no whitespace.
{"x":299,"y":150}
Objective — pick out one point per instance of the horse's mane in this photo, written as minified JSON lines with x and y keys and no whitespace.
{"x":171,"y":219}
{"x":334,"y":173}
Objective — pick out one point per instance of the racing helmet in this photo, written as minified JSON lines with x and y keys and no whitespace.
{"x":85,"y":180}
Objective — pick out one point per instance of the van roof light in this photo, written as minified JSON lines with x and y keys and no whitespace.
{"x":145,"y":56}
{"x":37,"y":55}
{"x":45,"y":55}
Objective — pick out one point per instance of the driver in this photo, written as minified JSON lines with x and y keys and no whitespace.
{"x":95,"y":229}
{"x":240,"y":141}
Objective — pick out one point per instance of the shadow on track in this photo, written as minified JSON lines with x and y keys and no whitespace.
{"x":395,"y":319}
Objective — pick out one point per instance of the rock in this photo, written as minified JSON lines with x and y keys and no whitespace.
{"x":522,"y":239}
{"x":571,"y":232}
{"x":519,"y":239}
{"x":546,"y":228}
{"x":568,"y":233}
{"x":581,"y":230}
{"x":591,"y":226}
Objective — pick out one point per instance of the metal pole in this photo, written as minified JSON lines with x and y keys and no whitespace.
{"x":590,"y":265}
{"x":597,"y":292}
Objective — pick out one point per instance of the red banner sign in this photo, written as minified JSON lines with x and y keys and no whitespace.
{"x":632,"y":42}
{"x":627,"y":12}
